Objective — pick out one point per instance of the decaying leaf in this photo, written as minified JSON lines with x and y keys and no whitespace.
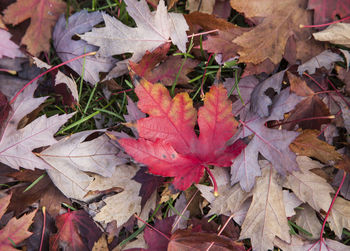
{"x":201,"y":6}
{"x":36,"y":134}
{"x":339,"y":217}
{"x":307,"y":219}
{"x":153,"y":29}
{"x":43,"y":15}
{"x":290,"y":202}
{"x":266,"y":217}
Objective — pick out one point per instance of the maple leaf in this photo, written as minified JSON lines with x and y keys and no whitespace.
{"x":16,"y":229}
{"x":268,"y":39}
{"x":307,"y":144}
{"x":43,"y":15}
{"x":307,"y":219}
{"x":153,"y":239}
{"x":168,"y":144}
{"x":339,"y":216}
{"x":327,"y":10}
{"x":121,"y":206}
{"x":67,"y":48}
{"x":309,"y":187}
{"x":7,"y":47}
{"x":272,"y":144}
{"x":76,"y":231}
{"x":153,"y":29}
{"x":16,"y":145}
{"x":266,"y":217}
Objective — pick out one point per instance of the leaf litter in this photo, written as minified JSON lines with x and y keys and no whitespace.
{"x":269,"y":140}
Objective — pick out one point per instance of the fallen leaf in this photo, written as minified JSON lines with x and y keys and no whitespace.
{"x":156,"y":241}
{"x":61,"y":78}
{"x":325,"y":59}
{"x":121,"y":206}
{"x":76,"y":231}
{"x":34,"y":135}
{"x":269,"y":38}
{"x":34,"y":241}
{"x":326,"y":11}
{"x":186,"y":240}
{"x":67,"y":48}
{"x":43,"y":15}
{"x":222,"y":43}
{"x":75,"y":152}
{"x":172,"y":148}
{"x":230,"y":199}
{"x":339,"y":216}
{"x":290,"y":202}
{"x":307,"y":144}
{"x":149,"y":184}
{"x":309,"y":187}
{"x":307,"y":219}
{"x":266,"y":217}
{"x":208,"y":22}
{"x":260,"y":102}
{"x":299,"y":86}
{"x":5,"y":108}
{"x":7,"y":47}
{"x":201,"y":6}
{"x":298,"y":244}
{"x":335,"y":33}
{"x":15,"y":230}
{"x":272,"y":144}
{"x":44,"y":190}
{"x":101,"y":244}
{"x":167,"y":71}
{"x":153,"y":29}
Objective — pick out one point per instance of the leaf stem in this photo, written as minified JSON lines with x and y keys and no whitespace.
{"x":323,"y":25}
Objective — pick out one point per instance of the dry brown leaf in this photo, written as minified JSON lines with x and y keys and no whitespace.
{"x":307,"y":144}
{"x":307,"y":219}
{"x":299,"y":86}
{"x":309,"y":187}
{"x":269,"y":39}
{"x":338,"y":33}
{"x":230,"y":199}
{"x":339,"y":217}
{"x":101,"y":244}
{"x":207,"y":22}
{"x":266,"y":217}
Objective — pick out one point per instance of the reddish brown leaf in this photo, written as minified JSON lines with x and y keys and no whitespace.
{"x":299,"y":86}
{"x":16,"y":229}
{"x":44,"y":190}
{"x":156,"y":241}
{"x":307,"y":144}
{"x":207,"y":21}
{"x":327,"y":10}
{"x":185,"y":240}
{"x":222,"y":43}
{"x":76,"y":231}
{"x":43,"y":15}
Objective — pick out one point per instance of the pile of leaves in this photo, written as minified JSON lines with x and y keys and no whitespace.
{"x":145,"y":125}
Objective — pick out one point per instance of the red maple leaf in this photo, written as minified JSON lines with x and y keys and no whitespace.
{"x":168,"y":144}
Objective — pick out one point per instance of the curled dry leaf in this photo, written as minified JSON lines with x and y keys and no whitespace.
{"x":336,"y":34}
